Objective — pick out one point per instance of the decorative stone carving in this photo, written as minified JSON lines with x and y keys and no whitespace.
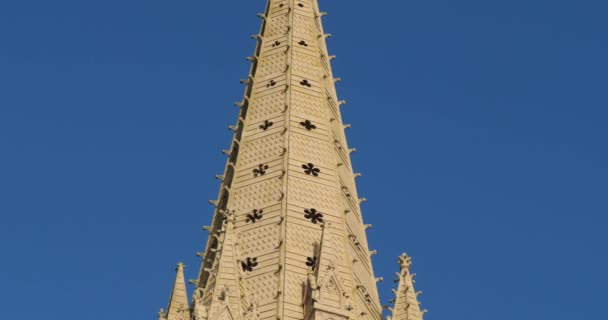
{"x":225,"y":294}
{"x":200,"y":311}
{"x":181,"y":314}
{"x":314,"y":287}
{"x":252,"y":312}
{"x":162,"y":315}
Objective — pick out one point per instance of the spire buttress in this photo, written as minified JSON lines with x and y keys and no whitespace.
{"x":407,"y":306}
{"x":226,"y":294}
{"x":178,"y":302}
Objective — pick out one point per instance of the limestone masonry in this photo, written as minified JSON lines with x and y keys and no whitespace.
{"x":288,"y":241}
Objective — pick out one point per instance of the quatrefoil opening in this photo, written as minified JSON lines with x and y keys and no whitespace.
{"x":311,"y":170}
{"x":260,"y":170}
{"x":311,"y":262}
{"x":267,"y":124}
{"x":255,"y":215}
{"x":249,"y":264}
{"x":306,"y":83}
{"x":308,"y":125}
{"x":313,"y":215}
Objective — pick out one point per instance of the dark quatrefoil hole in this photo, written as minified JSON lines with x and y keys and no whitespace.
{"x":311,"y":262}
{"x":276,"y":43}
{"x":267,"y":124}
{"x":260,"y":170}
{"x":249,"y":264}
{"x":308,"y":125}
{"x":313,"y":215}
{"x":303,"y":43}
{"x":255,"y":215}
{"x":272,"y":83}
{"x":311,"y":170}
{"x":305,"y":83}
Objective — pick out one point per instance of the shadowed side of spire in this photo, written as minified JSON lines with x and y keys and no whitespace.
{"x":407,"y":306}
{"x":178,"y":302}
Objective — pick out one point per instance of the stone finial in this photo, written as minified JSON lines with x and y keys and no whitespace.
{"x":405,"y":262}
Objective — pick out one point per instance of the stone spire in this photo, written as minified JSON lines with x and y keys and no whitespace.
{"x":288,"y":174}
{"x":407,"y":306}
{"x":178,"y":302}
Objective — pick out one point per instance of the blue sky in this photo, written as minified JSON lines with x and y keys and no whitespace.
{"x":480,"y":128}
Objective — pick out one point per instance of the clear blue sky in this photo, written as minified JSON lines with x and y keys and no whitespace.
{"x":481,"y":130}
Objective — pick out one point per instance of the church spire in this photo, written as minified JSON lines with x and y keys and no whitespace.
{"x":288,"y":174}
{"x":178,"y":302}
{"x":407,"y":306}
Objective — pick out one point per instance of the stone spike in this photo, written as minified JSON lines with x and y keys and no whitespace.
{"x":407,"y":306}
{"x":178,"y":302}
